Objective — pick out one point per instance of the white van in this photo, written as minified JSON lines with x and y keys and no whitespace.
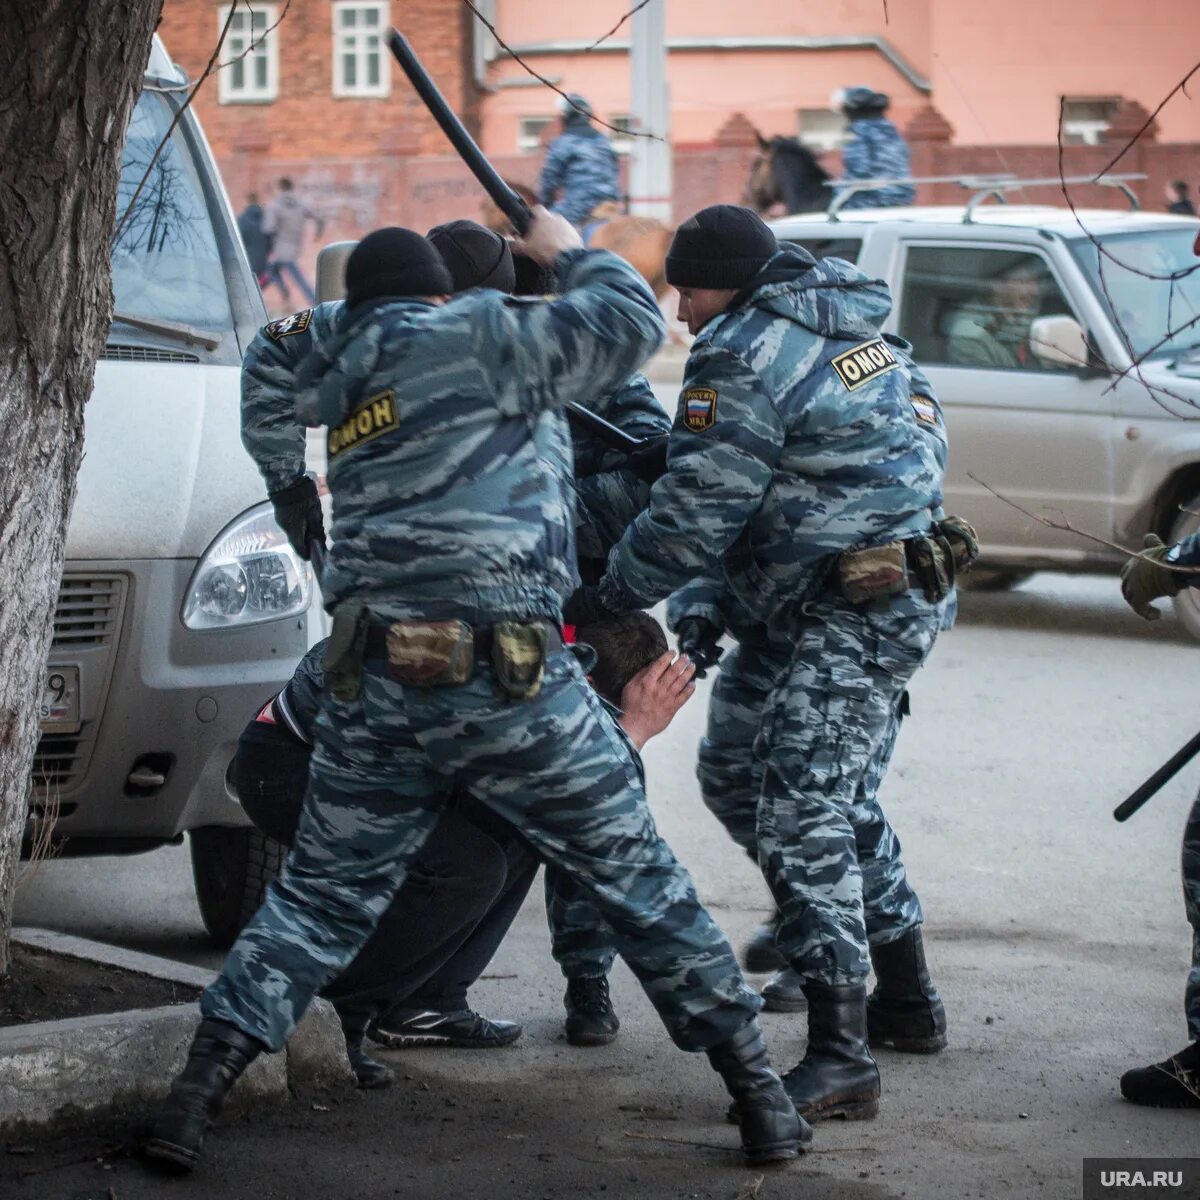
{"x":182,"y":607}
{"x":1027,"y":320}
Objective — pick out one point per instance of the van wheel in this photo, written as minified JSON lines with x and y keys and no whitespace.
{"x":991,"y":579}
{"x":1187,"y":603}
{"x":231,"y":869}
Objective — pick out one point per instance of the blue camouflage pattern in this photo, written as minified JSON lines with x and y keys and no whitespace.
{"x":876,"y":149}
{"x":463,"y":504}
{"x":581,"y":165}
{"x":1191,"y":900}
{"x":797,"y":465}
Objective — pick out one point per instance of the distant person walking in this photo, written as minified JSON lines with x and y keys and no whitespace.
{"x":255,"y":239}
{"x":1178,"y":200}
{"x":286,"y":219}
{"x":875,"y":149}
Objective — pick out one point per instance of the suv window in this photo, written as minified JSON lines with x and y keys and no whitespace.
{"x":972,"y":307}
{"x":830,"y":247}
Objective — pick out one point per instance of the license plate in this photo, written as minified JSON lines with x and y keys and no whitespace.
{"x":60,"y":701}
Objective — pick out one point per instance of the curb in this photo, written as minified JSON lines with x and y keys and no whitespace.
{"x":112,"y":1062}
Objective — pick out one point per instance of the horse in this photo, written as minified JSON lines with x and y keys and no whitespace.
{"x":786,"y":172}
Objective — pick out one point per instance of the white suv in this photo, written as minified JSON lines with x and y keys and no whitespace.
{"x":1026,"y":329}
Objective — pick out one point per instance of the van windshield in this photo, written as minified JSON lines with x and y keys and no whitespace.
{"x":166,"y":262}
{"x":1150,"y":285}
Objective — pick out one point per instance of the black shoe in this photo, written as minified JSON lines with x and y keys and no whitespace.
{"x":465,"y":1030}
{"x":760,"y":953}
{"x":771,"y":1128}
{"x":591,"y":1020}
{"x":219,"y":1054}
{"x":1171,"y":1084}
{"x":905,"y":1011}
{"x":784,"y":992}
{"x":369,"y":1073}
{"x":837,"y":1077}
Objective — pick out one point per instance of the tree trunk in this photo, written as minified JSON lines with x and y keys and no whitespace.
{"x":70,"y":72}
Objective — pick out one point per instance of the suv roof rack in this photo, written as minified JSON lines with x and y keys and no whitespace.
{"x":984,"y":186}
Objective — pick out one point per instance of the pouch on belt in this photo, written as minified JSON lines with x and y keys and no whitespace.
{"x":430,"y":653}
{"x":519,"y":658}
{"x":873,"y":573}
{"x":346,"y":649}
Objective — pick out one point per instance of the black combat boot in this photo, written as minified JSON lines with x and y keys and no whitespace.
{"x":771,"y":1128}
{"x":904,"y":1011}
{"x":837,"y":1077}
{"x":369,"y":1073}
{"x":784,"y":992}
{"x":1171,"y":1084}
{"x":591,"y":1020}
{"x":760,"y":953}
{"x":218,"y":1056}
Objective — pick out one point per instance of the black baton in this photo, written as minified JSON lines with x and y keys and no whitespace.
{"x":505,"y":199}
{"x":316,"y":558}
{"x":1163,"y":775}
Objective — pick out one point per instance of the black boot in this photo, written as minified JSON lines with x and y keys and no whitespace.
{"x":837,"y":1077}
{"x":591,"y":1020}
{"x":1171,"y":1084}
{"x":218,"y":1056}
{"x":904,"y":1011}
{"x":369,"y":1073}
{"x":760,"y":953}
{"x":771,"y":1128}
{"x":784,"y":992}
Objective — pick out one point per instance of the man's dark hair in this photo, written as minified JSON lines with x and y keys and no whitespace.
{"x":625,"y":644}
{"x":1180,"y":188}
{"x":285,"y":184}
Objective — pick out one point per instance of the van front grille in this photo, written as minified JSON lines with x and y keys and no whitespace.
{"x":87,"y":611}
{"x":116,"y":353}
{"x":57,"y":763}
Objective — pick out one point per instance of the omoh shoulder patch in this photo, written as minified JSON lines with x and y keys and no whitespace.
{"x":375,"y":416}
{"x":925,"y":409}
{"x":863,"y":363}
{"x":293,"y":323}
{"x":699,"y":409}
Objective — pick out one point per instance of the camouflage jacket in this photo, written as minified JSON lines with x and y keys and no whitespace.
{"x":797,"y":436}
{"x":876,"y":149}
{"x":449,"y":458}
{"x":582,"y":165}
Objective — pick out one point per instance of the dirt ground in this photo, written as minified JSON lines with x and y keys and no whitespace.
{"x":49,"y":987}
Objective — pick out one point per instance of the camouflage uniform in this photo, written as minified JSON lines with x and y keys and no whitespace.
{"x":876,"y":149}
{"x":450,"y":475}
{"x":781,"y":459}
{"x":583,"y":166}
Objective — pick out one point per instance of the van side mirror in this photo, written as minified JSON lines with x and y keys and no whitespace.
{"x":1059,"y":341}
{"x":331,"y":270}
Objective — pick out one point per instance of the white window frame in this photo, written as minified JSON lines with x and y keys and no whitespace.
{"x":622,"y":141}
{"x":821,"y":140}
{"x":1087,"y":131}
{"x":235,"y":44}
{"x":361,"y":89}
{"x":528,"y":142}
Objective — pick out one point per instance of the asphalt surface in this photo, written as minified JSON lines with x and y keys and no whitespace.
{"x":1056,"y":936}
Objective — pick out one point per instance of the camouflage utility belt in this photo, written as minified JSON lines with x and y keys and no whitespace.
{"x":931,"y":562}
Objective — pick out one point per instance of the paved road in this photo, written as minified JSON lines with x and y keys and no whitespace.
{"x":1057,"y":938}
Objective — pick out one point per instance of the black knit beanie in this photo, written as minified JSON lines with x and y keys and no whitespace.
{"x":474,"y":256}
{"x":395,"y":262}
{"x":722,"y":246}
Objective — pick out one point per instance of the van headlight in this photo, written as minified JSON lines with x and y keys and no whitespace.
{"x":249,"y":575}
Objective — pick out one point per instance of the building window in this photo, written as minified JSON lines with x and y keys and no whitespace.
{"x":529,"y":133}
{"x":359,"y":66}
{"x":1085,"y":119}
{"x":622,"y":140}
{"x":821,"y":129}
{"x":250,"y":73}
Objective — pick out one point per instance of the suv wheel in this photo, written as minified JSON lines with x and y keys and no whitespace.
{"x":1187,"y":603}
{"x":231,"y":868}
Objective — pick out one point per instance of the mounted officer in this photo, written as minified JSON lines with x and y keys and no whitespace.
{"x":580,"y":172}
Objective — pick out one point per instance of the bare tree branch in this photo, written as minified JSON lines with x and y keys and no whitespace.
{"x":637,"y":8}
{"x":1181,"y":86}
{"x":553,"y":87}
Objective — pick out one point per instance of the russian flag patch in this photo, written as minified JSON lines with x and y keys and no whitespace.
{"x":699,"y":409}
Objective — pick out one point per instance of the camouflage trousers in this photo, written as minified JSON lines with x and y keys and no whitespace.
{"x":800,"y":732}
{"x":1191,"y":899}
{"x":580,"y":939}
{"x":554,"y":766}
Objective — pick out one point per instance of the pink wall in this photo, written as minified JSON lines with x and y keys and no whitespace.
{"x":997,"y":69}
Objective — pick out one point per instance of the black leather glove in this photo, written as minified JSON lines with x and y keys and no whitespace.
{"x":698,"y":639}
{"x":584,"y":606}
{"x":649,"y":460}
{"x":298,"y":513}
